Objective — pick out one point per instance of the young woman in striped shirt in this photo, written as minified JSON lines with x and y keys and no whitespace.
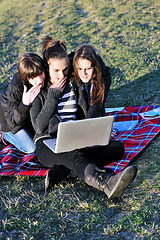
{"x":63,"y":100}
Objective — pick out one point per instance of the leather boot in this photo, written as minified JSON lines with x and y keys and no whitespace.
{"x":112,"y":184}
{"x":55,"y":175}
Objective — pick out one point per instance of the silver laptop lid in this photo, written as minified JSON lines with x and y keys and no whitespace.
{"x":83,"y":133}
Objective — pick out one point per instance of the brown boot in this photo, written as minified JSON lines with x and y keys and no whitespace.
{"x":112,"y":184}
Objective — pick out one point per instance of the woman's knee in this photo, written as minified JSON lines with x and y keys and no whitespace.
{"x":118,"y":148}
{"x":29,"y":149}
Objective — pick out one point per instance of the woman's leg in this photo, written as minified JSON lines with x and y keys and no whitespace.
{"x":22,"y":140}
{"x":113,"y":185}
{"x":73,"y":160}
{"x":104,"y":155}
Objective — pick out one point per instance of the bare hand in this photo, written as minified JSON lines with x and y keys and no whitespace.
{"x":29,"y":96}
{"x":59,"y":84}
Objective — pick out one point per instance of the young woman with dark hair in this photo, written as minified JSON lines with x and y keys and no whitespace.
{"x":91,"y":79}
{"x":61,"y":101}
{"x":88,"y":70}
{"x":17,"y":99}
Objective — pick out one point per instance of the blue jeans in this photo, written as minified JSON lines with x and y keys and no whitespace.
{"x":21,"y":140}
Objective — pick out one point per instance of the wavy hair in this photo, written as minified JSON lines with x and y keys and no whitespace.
{"x":86,"y":51}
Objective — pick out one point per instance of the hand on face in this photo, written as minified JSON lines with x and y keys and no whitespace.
{"x":37,"y":83}
{"x":29,"y":96}
{"x":60,"y":84}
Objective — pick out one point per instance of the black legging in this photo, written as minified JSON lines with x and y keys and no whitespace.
{"x":77,"y":160}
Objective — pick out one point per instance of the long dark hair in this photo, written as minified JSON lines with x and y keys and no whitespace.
{"x":86,"y":51}
{"x":53,"y":49}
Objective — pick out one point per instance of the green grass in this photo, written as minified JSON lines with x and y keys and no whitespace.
{"x":126,"y":34}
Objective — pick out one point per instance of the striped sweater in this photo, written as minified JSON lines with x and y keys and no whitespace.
{"x":67,"y":106}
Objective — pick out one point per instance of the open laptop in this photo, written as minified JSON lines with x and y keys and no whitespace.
{"x":78,"y":134}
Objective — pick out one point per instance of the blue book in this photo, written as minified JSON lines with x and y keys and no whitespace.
{"x":152,"y":113}
{"x":115,"y":109}
{"x":125,"y":125}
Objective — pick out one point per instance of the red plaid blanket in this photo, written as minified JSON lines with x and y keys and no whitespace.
{"x":137,"y":139}
{"x":13,"y":162}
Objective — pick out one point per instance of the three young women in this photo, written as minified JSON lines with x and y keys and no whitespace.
{"x":66,"y":98}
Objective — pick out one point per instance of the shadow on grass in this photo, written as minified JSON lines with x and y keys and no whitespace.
{"x":143,"y":91}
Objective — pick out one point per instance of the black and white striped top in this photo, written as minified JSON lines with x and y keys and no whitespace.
{"x":67,"y":106}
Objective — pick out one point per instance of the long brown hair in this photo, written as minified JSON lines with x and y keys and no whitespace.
{"x":86,"y":51}
{"x":53,"y":49}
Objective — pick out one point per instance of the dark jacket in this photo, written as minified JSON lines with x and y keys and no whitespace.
{"x":14,"y":115}
{"x":83,"y":108}
{"x":44,"y":108}
{"x":43,"y":112}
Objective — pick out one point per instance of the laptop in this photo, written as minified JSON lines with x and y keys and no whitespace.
{"x":79,"y":134}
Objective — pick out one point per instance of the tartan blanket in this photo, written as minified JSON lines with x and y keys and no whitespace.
{"x":136,"y":140}
{"x":14,"y":162}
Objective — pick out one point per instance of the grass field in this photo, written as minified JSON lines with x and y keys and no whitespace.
{"x":126,"y":34}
